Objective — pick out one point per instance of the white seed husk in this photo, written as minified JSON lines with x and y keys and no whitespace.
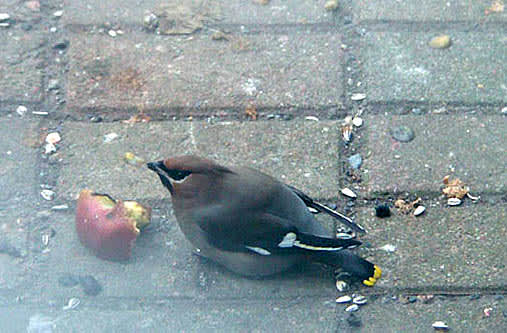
{"x":343,"y":299}
{"x":311,"y":118}
{"x":440,"y":325}
{"x":341,"y":285}
{"x":360,"y":300}
{"x":419,"y":210}
{"x":47,"y":195}
{"x":357,"y":121}
{"x":352,"y":308}
{"x":72,"y":304}
{"x":348,"y":193}
{"x":454,"y":202}
{"x":358,"y":97}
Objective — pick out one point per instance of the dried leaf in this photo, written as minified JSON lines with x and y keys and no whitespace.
{"x":251,"y":112}
{"x":138,"y":118}
{"x":496,"y":7}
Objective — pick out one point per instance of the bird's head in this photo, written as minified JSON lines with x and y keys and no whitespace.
{"x":187,"y":174}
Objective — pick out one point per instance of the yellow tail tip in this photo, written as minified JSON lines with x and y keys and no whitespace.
{"x":377,"y":273}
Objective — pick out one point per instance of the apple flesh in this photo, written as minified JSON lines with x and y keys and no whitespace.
{"x":109,"y":227}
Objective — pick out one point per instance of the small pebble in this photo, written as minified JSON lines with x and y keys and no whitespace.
{"x":21,"y":110}
{"x":453,"y":202}
{"x":440,"y":42}
{"x":358,"y":97}
{"x":402,"y":133}
{"x":440,"y":325}
{"x":344,"y":299}
{"x":311,"y":118}
{"x":49,"y":148}
{"x":355,"y":161}
{"x":47,"y":195}
{"x":68,"y":280}
{"x":352,"y":308}
{"x":419,"y":210}
{"x":58,"y":13}
{"x":353,"y":320}
{"x":61,"y":45}
{"x":90,"y":285}
{"x":348,"y":193}
{"x":112,"y":33}
{"x":382,"y":211}
{"x":360,"y":300}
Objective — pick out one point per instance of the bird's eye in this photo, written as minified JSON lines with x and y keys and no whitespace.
{"x":178,"y":174}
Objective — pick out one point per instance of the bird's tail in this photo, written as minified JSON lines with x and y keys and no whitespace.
{"x":367,"y":272}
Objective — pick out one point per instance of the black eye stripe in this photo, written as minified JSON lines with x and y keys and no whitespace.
{"x":178,"y":174}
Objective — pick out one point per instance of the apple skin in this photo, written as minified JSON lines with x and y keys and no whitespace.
{"x":108,"y":227}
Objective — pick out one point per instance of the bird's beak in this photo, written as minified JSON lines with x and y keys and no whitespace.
{"x":160,"y":169}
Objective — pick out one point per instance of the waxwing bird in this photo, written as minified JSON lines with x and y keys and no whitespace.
{"x":251,"y":223}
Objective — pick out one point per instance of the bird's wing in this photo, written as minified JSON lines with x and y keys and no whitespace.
{"x":309,"y":202}
{"x":263,"y":233}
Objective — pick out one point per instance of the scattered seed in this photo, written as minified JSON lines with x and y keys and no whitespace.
{"x":341,"y":285}
{"x":331,"y":5}
{"x":72,"y":304}
{"x":60,"y":207}
{"x":352,"y":308}
{"x":453,"y":202}
{"x":49,"y":148}
{"x":110,"y":137}
{"x":4,"y":17}
{"x":21,"y":110}
{"x":132,"y":159}
{"x":473,"y":198}
{"x":440,"y":42}
{"x":53,"y":137}
{"x":357,"y":121}
{"x":487,"y":312}
{"x":358,"y":97}
{"x":312,"y":118}
{"x":112,"y":33}
{"x":360,"y":300}
{"x":389,"y":248}
{"x":40,"y":113}
{"x":47,"y":195}
{"x":343,"y":299}
{"x":313,"y":210}
{"x":402,"y":133}
{"x":348,"y":193}
{"x":58,"y":13}
{"x":440,"y":325}
{"x":344,"y":235}
{"x":419,"y":210}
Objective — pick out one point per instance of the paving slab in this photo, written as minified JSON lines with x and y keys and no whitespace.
{"x":470,"y":147}
{"x":161,"y":73}
{"x":430,"y":11}
{"x":244,"y":12}
{"x":461,"y":314}
{"x":162,"y":265}
{"x":20,"y":66}
{"x":276,"y":147}
{"x":181,"y":316}
{"x":400,"y":66}
{"x":447,"y":248}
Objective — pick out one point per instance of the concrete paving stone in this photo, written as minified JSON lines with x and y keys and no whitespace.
{"x":460,"y":313}
{"x":181,"y":316}
{"x":281,"y":149}
{"x":242,"y":12}
{"x":161,"y":73}
{"x":447,"y":248}
{"x":426,"y":11}
{"x":470,"y":147}
{"x":162,"y":265}
{"x":20,"y":65}
{"x":400,"y":66}
{"x":18,"y":173}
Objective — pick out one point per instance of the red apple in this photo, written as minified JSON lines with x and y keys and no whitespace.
{"x":109,"y":227}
